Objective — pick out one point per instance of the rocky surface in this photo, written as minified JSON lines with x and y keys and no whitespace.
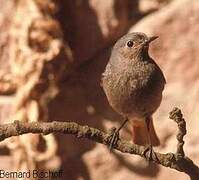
{"x":91,"y":25}
{"x":176,"y":52}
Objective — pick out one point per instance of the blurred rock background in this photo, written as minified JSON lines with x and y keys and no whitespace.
{"x":52,"y":54}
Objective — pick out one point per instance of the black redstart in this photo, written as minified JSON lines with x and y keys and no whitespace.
{"x":133,"y":84}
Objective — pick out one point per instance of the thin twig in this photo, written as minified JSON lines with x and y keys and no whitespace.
{"x":174,"y":161}
{"x":176,"y":115}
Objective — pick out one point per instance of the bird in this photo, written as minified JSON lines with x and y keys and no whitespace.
{"x":133,"y":84}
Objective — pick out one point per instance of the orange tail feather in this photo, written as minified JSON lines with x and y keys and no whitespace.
{"x":140,"y":134}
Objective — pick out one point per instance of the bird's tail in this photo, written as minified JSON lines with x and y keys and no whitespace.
{"x":142,"y":135}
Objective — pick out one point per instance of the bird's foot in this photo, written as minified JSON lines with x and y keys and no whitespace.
{"x":114,"y":135}
{"x":113,"y":138}
{"x":152,"y":155}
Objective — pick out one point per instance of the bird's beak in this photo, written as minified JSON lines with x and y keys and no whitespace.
{"x":150,"y":39}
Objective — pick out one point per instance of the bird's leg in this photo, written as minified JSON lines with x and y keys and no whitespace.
{"x":149,"y":148}
{"x":115,"y":134}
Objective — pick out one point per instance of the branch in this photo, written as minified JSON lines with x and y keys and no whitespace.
{"x":176,"y":161}
{"x":176,"y":115}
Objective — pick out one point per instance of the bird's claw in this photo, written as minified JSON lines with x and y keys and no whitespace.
{"x":114,"y":134}
{"x":113,"y":138}
{"x":152,"y":155}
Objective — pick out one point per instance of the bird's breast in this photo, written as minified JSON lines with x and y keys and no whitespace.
{"x":133,"y":88}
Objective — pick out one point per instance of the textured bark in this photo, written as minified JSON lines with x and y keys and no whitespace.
{"x":176,"y":161}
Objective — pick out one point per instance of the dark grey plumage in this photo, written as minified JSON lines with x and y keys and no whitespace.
{"x":132,"y":81}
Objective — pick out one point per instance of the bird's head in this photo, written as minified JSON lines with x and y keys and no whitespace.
{"x":133,"y":45}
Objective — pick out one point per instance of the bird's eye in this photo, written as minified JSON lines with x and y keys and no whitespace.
{"x":130,"y":43}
